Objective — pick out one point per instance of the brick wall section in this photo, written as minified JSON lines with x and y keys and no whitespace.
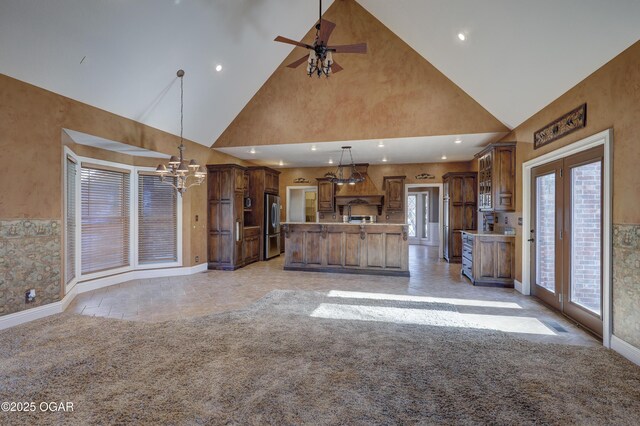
{"x":586,"y":235}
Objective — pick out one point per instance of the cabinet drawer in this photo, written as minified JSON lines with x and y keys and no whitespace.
{"x":251,"y":231}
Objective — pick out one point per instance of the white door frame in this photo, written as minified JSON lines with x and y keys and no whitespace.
{"x":604,"y":138}
{"x":308,"y":187}
{"x":440,"y":207}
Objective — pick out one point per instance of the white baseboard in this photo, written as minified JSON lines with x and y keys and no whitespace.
{"x":85,"y":286}
{"x":625,"y":349}
{"x":518,"y":286}
{"x":38,"y":312}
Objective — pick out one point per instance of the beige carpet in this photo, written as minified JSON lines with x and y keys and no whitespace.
{"x":276,"y":364}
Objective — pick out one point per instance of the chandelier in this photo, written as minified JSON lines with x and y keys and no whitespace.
{"x":338,"y":177}
{"x":180,"y":173}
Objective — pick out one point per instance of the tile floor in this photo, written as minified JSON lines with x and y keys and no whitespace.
{"x":218,"y":291}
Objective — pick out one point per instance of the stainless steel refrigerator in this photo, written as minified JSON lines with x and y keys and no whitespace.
{"x":271,"y":226}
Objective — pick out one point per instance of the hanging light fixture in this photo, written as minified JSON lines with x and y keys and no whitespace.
{"x":338,"y":177}
{"x":180,"y":173}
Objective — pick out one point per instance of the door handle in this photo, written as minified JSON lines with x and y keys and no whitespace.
{"x":531,"y":240}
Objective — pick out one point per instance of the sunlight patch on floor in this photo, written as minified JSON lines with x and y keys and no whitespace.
{"x":425,"y":299}
{"x":440,"y":318}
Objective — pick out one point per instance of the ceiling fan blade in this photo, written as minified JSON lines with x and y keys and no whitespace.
{"x":297,"y":63}
{"x":349,"y":48}
{"x":289,"y":41}
{"x":326,"y":28}
{"x":335,"y":68}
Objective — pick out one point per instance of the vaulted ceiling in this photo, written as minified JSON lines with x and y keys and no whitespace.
{"x":122,"y":56}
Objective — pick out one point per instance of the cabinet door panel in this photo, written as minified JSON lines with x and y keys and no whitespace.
{"x":457,"y":221}
{"x":456,"y":244}
{"x":296,"y":242}
{"x":335,"y":251}
{"x":504,"y":261}
{"x":312,"y":249}
{"x":326,"y":193}
{"x":469,"y":190}
{"x":352,"y":250}
{"x":375,"y":247}
{"x":487,"y":259}
{"x":469,"y":217}
{"x":393,"y":250}
{"x":456,"y":189}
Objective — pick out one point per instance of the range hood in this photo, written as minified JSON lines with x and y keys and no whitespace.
{"x":362,"y":193}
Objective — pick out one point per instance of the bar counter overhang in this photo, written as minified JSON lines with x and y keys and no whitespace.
{"x":371,"y":248}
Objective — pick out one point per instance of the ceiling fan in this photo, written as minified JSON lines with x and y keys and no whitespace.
{"x":320,"y":59}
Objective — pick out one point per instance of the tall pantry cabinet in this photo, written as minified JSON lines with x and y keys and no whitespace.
{"x":460,"y":205}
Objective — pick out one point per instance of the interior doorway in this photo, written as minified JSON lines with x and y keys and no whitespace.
{"x":423,"y":214}
{"x":302,"y":204}
{"x":566,"y":236}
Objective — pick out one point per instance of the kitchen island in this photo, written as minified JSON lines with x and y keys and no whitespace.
{"x":367,"y":248}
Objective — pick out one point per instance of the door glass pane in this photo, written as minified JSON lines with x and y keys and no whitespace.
{"x":425,"y":230}
{"x":412,"y":214}
{"x":545,"y":231}
{"x":586,"y":242}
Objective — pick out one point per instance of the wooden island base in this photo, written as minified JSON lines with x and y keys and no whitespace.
{"x":374,"y":249}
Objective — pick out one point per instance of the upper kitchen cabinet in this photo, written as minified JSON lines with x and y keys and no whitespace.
{"x":326,"y":195}
{"x":497,"y":177}
{"x":271,"y":181}
{"x":394,"y":193}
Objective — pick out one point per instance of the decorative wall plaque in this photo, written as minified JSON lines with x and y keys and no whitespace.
{"x":568,"y":123}
{"x":423,"y":176}
{"x":301,"y":180}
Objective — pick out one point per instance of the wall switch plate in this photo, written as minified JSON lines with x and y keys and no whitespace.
{"x":506,"y":220}
{"x":197,"y":259}
{"x":196,"y":218}
{"x":520,"y":221}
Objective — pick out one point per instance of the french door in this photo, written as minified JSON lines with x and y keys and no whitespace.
{"x":418,"y":217}
{"x":566,"y":236}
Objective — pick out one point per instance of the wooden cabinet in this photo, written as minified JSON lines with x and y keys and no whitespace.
{"x":326,"y":195}
{"x":271,"y":181}
{"x":225,"y":184}
{"x":489,"y":259}
{"x":394,"y":193}
{"x":496,"y":177}
{"x":251,"y":244}
{"x":459,"y":211}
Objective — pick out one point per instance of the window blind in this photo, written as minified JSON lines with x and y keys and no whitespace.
{"x":105,"y":219}
{"x":157,"y":221}
{"x":70,"y":221}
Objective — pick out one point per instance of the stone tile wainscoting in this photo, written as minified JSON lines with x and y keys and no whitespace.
{"x":29,"y":258}
{"x":626,"y":283}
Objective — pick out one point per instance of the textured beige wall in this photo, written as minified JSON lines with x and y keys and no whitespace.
{"x":390,"y":92}
{"x":31,"y":136}
{"x":612,"y":94}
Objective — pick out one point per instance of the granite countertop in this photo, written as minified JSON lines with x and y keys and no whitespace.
{"x":488,"y":234}
{"x":342,"y":223}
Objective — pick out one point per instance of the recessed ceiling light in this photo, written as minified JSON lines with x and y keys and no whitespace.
{"x":457,"y":141}
{"x":252,"y":151}
{"x":313,"y":148}
{"x":281,"y":163}
{"x":218,"y":67}
{"x":384,"y":160}
{"x":330,"y":160}
{"x":444,"y":157}
{"x":380,"y":144}
{"x":462,"y":36}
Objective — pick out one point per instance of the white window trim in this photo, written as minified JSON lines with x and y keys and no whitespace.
{"x":133,"y":222}
{"x":604,"y":138}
